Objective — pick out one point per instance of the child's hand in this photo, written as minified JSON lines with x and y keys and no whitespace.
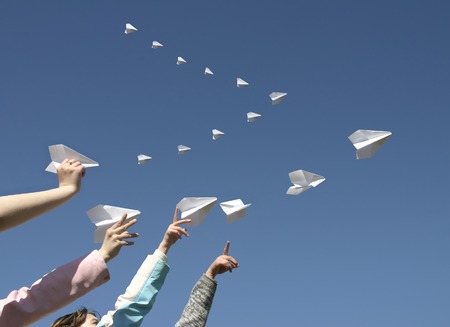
{"x":173,"y":233}
{"x":70,"y":173}
{"x":116,"y":237}
{"x":222,"y":263}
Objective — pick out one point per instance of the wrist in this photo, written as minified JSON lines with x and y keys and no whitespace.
{"x":69,"y":189}
{"x":209,"y":273}
{"x":105,"y":255}
{"x":164,"y":247}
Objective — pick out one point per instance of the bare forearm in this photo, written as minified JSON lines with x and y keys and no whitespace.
{"x":19,"y":208}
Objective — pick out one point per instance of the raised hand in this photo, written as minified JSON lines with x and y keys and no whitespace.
{"x":222,"y":264}
{"x":116,"y":237}
{"x":70,"y":173}
{"x":174,"y":233}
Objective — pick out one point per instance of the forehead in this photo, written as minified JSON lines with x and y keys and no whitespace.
{"x":91,"y":319}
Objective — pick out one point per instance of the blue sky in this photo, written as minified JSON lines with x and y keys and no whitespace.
{"x":366,"y":248}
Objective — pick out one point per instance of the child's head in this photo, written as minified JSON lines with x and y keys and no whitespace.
{"x":80,"y":318}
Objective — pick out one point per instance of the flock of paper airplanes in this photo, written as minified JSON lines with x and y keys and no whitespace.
{"x":104,"y":216}
{"x":59,"y":152}
{"x":197,"y":208}
{"x":367,"y":142}
{"x":303,"y":180}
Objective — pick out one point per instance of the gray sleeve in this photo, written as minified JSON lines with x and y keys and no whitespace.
{"x":196,"y":311}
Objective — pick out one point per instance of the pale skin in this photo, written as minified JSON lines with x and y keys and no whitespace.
{"x":19,"y":208}
{"x":222,"y":264}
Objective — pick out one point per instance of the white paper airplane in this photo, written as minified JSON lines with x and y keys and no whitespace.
{"x":277,"y":97}
{"x":142,"y":159}
{"x":302,"y":181}
{"x":182,"y":149}
{"x":216,"y":134}
{"x":240,"y":82}
{"x":368,"y":142}
{"x":252,"y":116}
{"x":234,"y":209}
{"x":196,"y":209}
{"x":208,"y":72}
{"x":104,"y":216}
{"x":59,"y":152}
{"x":130,"y":29}
{"x":156,"y":45}
{"x":180,"y":61}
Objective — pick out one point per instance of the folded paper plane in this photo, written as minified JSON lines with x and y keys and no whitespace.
{"x":302,"y":181}
{"x":368,"y":142}
{"x":180,"y":61}
{"x":156,"y":45}
{"x":142,"y":159}
{"x":196,"y":209}
{"x":59,"y":152}
{"x":182,"y":149}
{"x":130,"y":29}
{"x":277,"y":97}
{"x":104,"y":216}
{"x":216,"y":134}
{"x":240,"y":82}
{"x":208,"y":72}
{"x":234,"y":209}
{"x":252,"y":116}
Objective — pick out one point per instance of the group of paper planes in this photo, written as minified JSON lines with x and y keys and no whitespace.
{"x":193,"y":208}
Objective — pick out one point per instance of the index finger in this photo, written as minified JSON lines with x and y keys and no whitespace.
{"x":175,"y":215}
{"x":120,"y":222}
{"x":227,"y":247}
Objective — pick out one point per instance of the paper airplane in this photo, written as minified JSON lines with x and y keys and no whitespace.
{"x":156,"y":45}
{"x":208,"y":72}
{"x":234,"y":209}
{"x":59,"y":152}
{"x":130,"y":29}
{"x":252,"y":116}
{"x":182,"y":149}
{"x":216,"y":134}
{"x":180,"y":61}
{"x":277,"y":97}
{"x":104,"y":216}
{"x":302,"y":181}
{"x":196,"y":209}
{"x":240,"y":82}
{"x":142,"y":159}
{"x":368,"y":142}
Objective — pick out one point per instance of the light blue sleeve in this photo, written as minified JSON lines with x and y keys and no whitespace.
{"x":132,"y":306}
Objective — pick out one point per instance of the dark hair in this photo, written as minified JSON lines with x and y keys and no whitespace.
{"x":74,"y":319}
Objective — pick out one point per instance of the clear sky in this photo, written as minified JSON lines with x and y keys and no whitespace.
{"x":369,"y":247}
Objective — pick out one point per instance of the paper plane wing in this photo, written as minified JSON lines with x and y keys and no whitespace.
{"x":156,"y":45}
{"x":252,"y":116}
{"x":59,"y":152}
{"x":208,"y":72}
{"x":104,"y":216}
{"x":196,"y":209}
{"x":217,"y":134}
{"x":130,"y":28}
{"x":240,"y":82}
{"x":182,"y":149}
{"x":368,"y":142}
{"x":142,"y":159}
{"x":303,"y":180}
{"x":276,"y":97}
{"x":234,"y":209}
{"x":180,"y":61}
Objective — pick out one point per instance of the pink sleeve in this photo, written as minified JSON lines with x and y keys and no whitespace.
{"x":54,"y":291}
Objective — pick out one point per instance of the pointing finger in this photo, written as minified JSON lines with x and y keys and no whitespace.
{"x":227,"y":247}
{"x":175,"y":215}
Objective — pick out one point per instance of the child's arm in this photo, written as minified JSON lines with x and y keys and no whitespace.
{"x":19,"y":208}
